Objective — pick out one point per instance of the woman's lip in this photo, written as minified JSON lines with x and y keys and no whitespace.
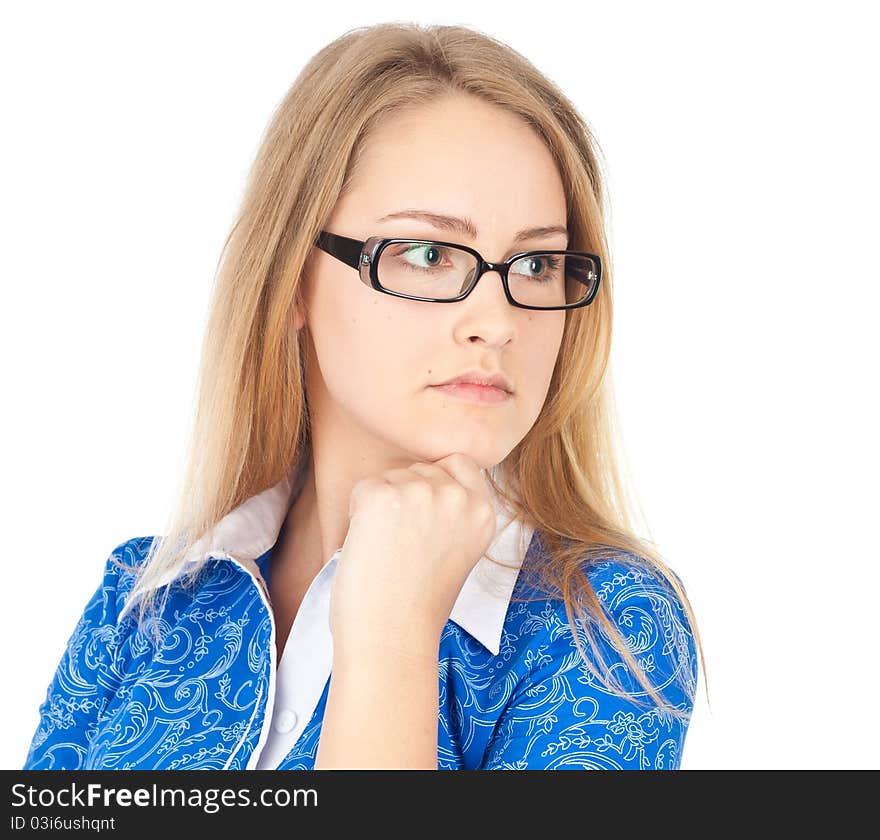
{"x":474,"y":393}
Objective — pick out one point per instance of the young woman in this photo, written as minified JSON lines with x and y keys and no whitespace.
{"x":370,"y":567}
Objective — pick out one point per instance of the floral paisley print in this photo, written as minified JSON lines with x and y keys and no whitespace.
{"x":201,"y":698}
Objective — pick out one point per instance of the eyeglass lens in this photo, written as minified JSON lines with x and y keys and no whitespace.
{"x":428,"y":270}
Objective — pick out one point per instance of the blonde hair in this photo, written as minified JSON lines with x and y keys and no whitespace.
{"x":250,"y":426}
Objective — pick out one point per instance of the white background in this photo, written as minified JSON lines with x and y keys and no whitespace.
{"x":741,"y":148}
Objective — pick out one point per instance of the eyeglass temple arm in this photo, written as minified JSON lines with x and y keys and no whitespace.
{"x":342,"y":247}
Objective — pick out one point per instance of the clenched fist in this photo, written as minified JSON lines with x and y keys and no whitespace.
{"x":413,"y":538}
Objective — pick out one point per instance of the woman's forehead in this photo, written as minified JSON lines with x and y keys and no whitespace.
{"x":460,"y":132}
{"x":488,"y":176}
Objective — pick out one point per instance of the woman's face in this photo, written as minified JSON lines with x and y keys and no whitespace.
{"x":372,"y":357}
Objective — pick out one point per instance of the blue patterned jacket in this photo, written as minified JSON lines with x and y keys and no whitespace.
{"x":513,"y":690}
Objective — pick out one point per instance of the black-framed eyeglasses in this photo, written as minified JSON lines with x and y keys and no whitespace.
{"x":445,"y":272}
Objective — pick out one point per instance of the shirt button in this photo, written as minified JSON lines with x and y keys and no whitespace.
{"x":285,"y":720}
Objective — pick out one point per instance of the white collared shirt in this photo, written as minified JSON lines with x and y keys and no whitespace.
{"x":513,"y":690}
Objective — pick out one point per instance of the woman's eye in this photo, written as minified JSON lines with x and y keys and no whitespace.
{"x":424,"y":255}
{"x":535,"y":266}
{"x":544,"y":264}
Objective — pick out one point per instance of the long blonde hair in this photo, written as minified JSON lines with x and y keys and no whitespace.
{"x":250,"y":425}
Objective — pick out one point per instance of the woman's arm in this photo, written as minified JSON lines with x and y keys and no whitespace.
{"x":414,"y":536}
{"x":382,"y":709}
{"x":85,"y":679}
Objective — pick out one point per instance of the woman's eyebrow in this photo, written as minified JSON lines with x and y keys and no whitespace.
{"x":466,"y":228}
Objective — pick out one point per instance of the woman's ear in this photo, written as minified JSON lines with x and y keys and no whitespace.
{"x":298,"y":318}
{"x":299,"y":304}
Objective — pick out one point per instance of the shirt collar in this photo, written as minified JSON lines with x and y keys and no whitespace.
{"x":252,"y":528}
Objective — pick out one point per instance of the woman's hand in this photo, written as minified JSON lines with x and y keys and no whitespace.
{"x":414,"y":536}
